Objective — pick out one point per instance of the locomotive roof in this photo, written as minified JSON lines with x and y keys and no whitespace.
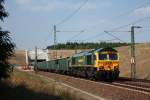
{"x":106,"y":49}
{"x":84,"y":53}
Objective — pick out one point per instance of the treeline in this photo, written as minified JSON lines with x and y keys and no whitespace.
{"x":87,"y":45}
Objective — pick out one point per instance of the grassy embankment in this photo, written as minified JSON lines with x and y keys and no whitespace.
{"x":25,"y":86}
{"x":142,"y":53}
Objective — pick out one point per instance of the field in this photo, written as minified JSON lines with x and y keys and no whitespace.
{"x":142,"y":61}
{"x":19,"y":58}
{"x":27,"y":86}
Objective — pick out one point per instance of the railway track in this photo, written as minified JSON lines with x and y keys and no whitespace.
{"x":122,"y":88}
{"x":139,"y":85}
{"x":134,"y":80}
{"x":135,"y":87}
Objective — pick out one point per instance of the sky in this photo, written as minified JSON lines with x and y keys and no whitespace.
{"x":31,"y":21}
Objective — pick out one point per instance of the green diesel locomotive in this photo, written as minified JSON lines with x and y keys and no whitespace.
{"x":99,"y":64}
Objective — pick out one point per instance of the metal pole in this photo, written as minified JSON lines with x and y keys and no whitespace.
{"x":35,"y":63}
{"x":133,"y":63}
{"x":55,"y":51}
{"x":27,"y":58}
{"x":55,"y":42}
{"x":133,"y":58}
{"x":76,"y":47}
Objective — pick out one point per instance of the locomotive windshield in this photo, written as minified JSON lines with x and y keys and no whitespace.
{"x":110,"y":56}
{"x":113,"y":57}
{"x":102,"y":56}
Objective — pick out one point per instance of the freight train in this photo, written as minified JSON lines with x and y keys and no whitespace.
{"x":97,"y":64}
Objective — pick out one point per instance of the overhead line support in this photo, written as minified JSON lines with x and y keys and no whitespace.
{"x":133,"y":57}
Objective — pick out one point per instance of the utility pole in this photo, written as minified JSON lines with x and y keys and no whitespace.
{"x":55,"y":42}
{"x":76,"y":47}
{"x":35,"y":62}
{"x":27,"y":58}
{"x":133,"y":58}
{"x":55,"y":51}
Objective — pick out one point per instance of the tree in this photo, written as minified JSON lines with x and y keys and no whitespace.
{"x":6,"y":46}
{"x":86,"y":45}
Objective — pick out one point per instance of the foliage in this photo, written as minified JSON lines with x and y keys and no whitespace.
{"x":88,"y":45}
{"x":6,"y":46}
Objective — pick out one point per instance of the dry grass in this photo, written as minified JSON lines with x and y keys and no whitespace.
{"x":142,"y":61}
{"x":19,"y":58}
{"x":24,"y":86}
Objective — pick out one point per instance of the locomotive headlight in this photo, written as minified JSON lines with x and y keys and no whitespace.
{"x":109,"y":67}
{"x":101,"y":67}
{"x":116,"y":67}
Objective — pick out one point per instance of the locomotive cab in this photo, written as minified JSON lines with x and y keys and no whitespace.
{"x":107,"y":63}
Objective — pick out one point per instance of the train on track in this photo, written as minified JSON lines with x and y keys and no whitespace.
{"x":97,"y":64}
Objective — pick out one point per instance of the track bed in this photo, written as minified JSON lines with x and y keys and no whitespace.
{"x":109,"y":90}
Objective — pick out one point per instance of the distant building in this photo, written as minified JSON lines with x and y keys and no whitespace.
{"x":48,"y":54}
{"x":41,"y":56}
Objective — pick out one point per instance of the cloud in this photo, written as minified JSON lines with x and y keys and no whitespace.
{"x":23,"y":2}
{"x":142,"y":12}
{"x":47,"y":7}
{"x":53,"y":5}
{"x":97,"y":4}
{"x":34,"y":5}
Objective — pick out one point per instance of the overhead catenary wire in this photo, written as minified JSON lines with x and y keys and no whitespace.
{"x":114,"y":36}
{"x":126,"y":13}
{"x":72,"y":14}
{"x":47,"y":37}
{"x":132,"y":10}
{"x":113,"y":30}
{"x":132,"y":23}
{"x":76,"y":35}
{"x":92,"y":37}
{"x":139,"y":20}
